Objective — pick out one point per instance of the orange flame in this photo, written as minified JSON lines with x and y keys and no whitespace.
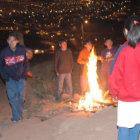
{"x":95,"y":94}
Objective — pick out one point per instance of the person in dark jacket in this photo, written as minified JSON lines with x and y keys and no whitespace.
{"x":107,"y":56}
{"x":63,"y":68}
{"x":13,"y":69}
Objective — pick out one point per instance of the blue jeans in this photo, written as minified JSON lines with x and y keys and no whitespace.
{"x":60,"y":82}
{"x":15,"y":91}
{"x":129,"y":133}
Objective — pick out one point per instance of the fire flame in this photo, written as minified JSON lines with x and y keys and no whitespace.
{"x":95,"y":94}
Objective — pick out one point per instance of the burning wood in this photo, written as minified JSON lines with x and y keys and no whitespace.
{"x":93,"y":99}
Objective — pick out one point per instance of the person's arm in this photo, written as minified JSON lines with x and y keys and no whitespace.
{"x":71,"y":59}
{"x":25,"y":65}
{"x":114,"y":52}
{"x":81,"y":59}
{"x":100,"y":58}
{"x":3,"y":73}
{"x":56,"y":63}
{"x":116,"y":74}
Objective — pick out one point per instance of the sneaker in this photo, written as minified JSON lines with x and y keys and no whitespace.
{"x":58,"y":99}
{"x":14,"y":120}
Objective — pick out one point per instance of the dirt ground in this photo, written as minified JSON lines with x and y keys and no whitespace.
{"x":67,"y":126}
{"x":46,"y":119}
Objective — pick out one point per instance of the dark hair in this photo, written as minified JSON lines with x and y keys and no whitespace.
{"x":87,"y":41}
{"x":14,"y":34}
{"x":62,"y":40}
{"x":109,"y":39}
{"x":130,"y":22}
{"x":134,"y":36}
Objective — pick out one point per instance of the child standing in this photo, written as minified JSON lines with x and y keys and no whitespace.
{"x":124,"y":81}
{"x":13,"y":69}
{"x":63,"y":68}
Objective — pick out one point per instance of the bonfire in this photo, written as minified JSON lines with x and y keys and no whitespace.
{"x":93,"y":98}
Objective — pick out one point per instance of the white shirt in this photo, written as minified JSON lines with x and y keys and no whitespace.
{"x":128,"y":114}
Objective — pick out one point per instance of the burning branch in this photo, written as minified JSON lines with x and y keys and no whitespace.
{"x":93,"y":98}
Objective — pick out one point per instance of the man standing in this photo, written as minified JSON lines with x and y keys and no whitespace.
{"x":83,"y":60}
{"x":63,"y":68}
{"x":107,"y":56}
{"x":13,"y":69}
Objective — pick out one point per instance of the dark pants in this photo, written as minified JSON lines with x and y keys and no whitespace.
{"x":105,"y":69}
{"x":15,"y":91}
{"x":129,"y":133}
{"x":60,"y":81}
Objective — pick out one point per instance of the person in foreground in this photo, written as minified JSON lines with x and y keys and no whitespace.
{"x":124,"y":82}
{"x":13,"y":69}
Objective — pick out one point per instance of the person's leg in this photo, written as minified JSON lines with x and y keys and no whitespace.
{"x":25,"y":90}
{"x":108,"y":66}
{"x":129,"y":133}
{"x":87,"y":84}
{"x":134,"y":132}
{"x":21,"y":86}
{"x":104,"y":77}
{"x":84,"y":84}
{"x":68,"y":83}
{"x":123,"y":133}
{"x":12,"y":95}
{"x":60,"y":81}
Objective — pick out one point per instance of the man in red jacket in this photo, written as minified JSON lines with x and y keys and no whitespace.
{"x":124,"y":82}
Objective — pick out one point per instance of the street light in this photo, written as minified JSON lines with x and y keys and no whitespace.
{"x":82,"y":29}
{"x":86,"y":21}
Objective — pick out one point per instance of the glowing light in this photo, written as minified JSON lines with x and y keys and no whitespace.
{"x":95,"y":94}
{"x":36,"y":51}
{"x":53,"y":47}
{"x":86,"y":21}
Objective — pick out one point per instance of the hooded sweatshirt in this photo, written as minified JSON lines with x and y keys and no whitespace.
{"x":13,"y":64}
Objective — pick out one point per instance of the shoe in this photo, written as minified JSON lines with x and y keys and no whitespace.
{"x":14,"y":120}
{"x":58,"y":99}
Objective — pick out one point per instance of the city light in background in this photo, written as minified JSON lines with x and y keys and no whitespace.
{"x":61,"y":18}
{"x":42,"y":16}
